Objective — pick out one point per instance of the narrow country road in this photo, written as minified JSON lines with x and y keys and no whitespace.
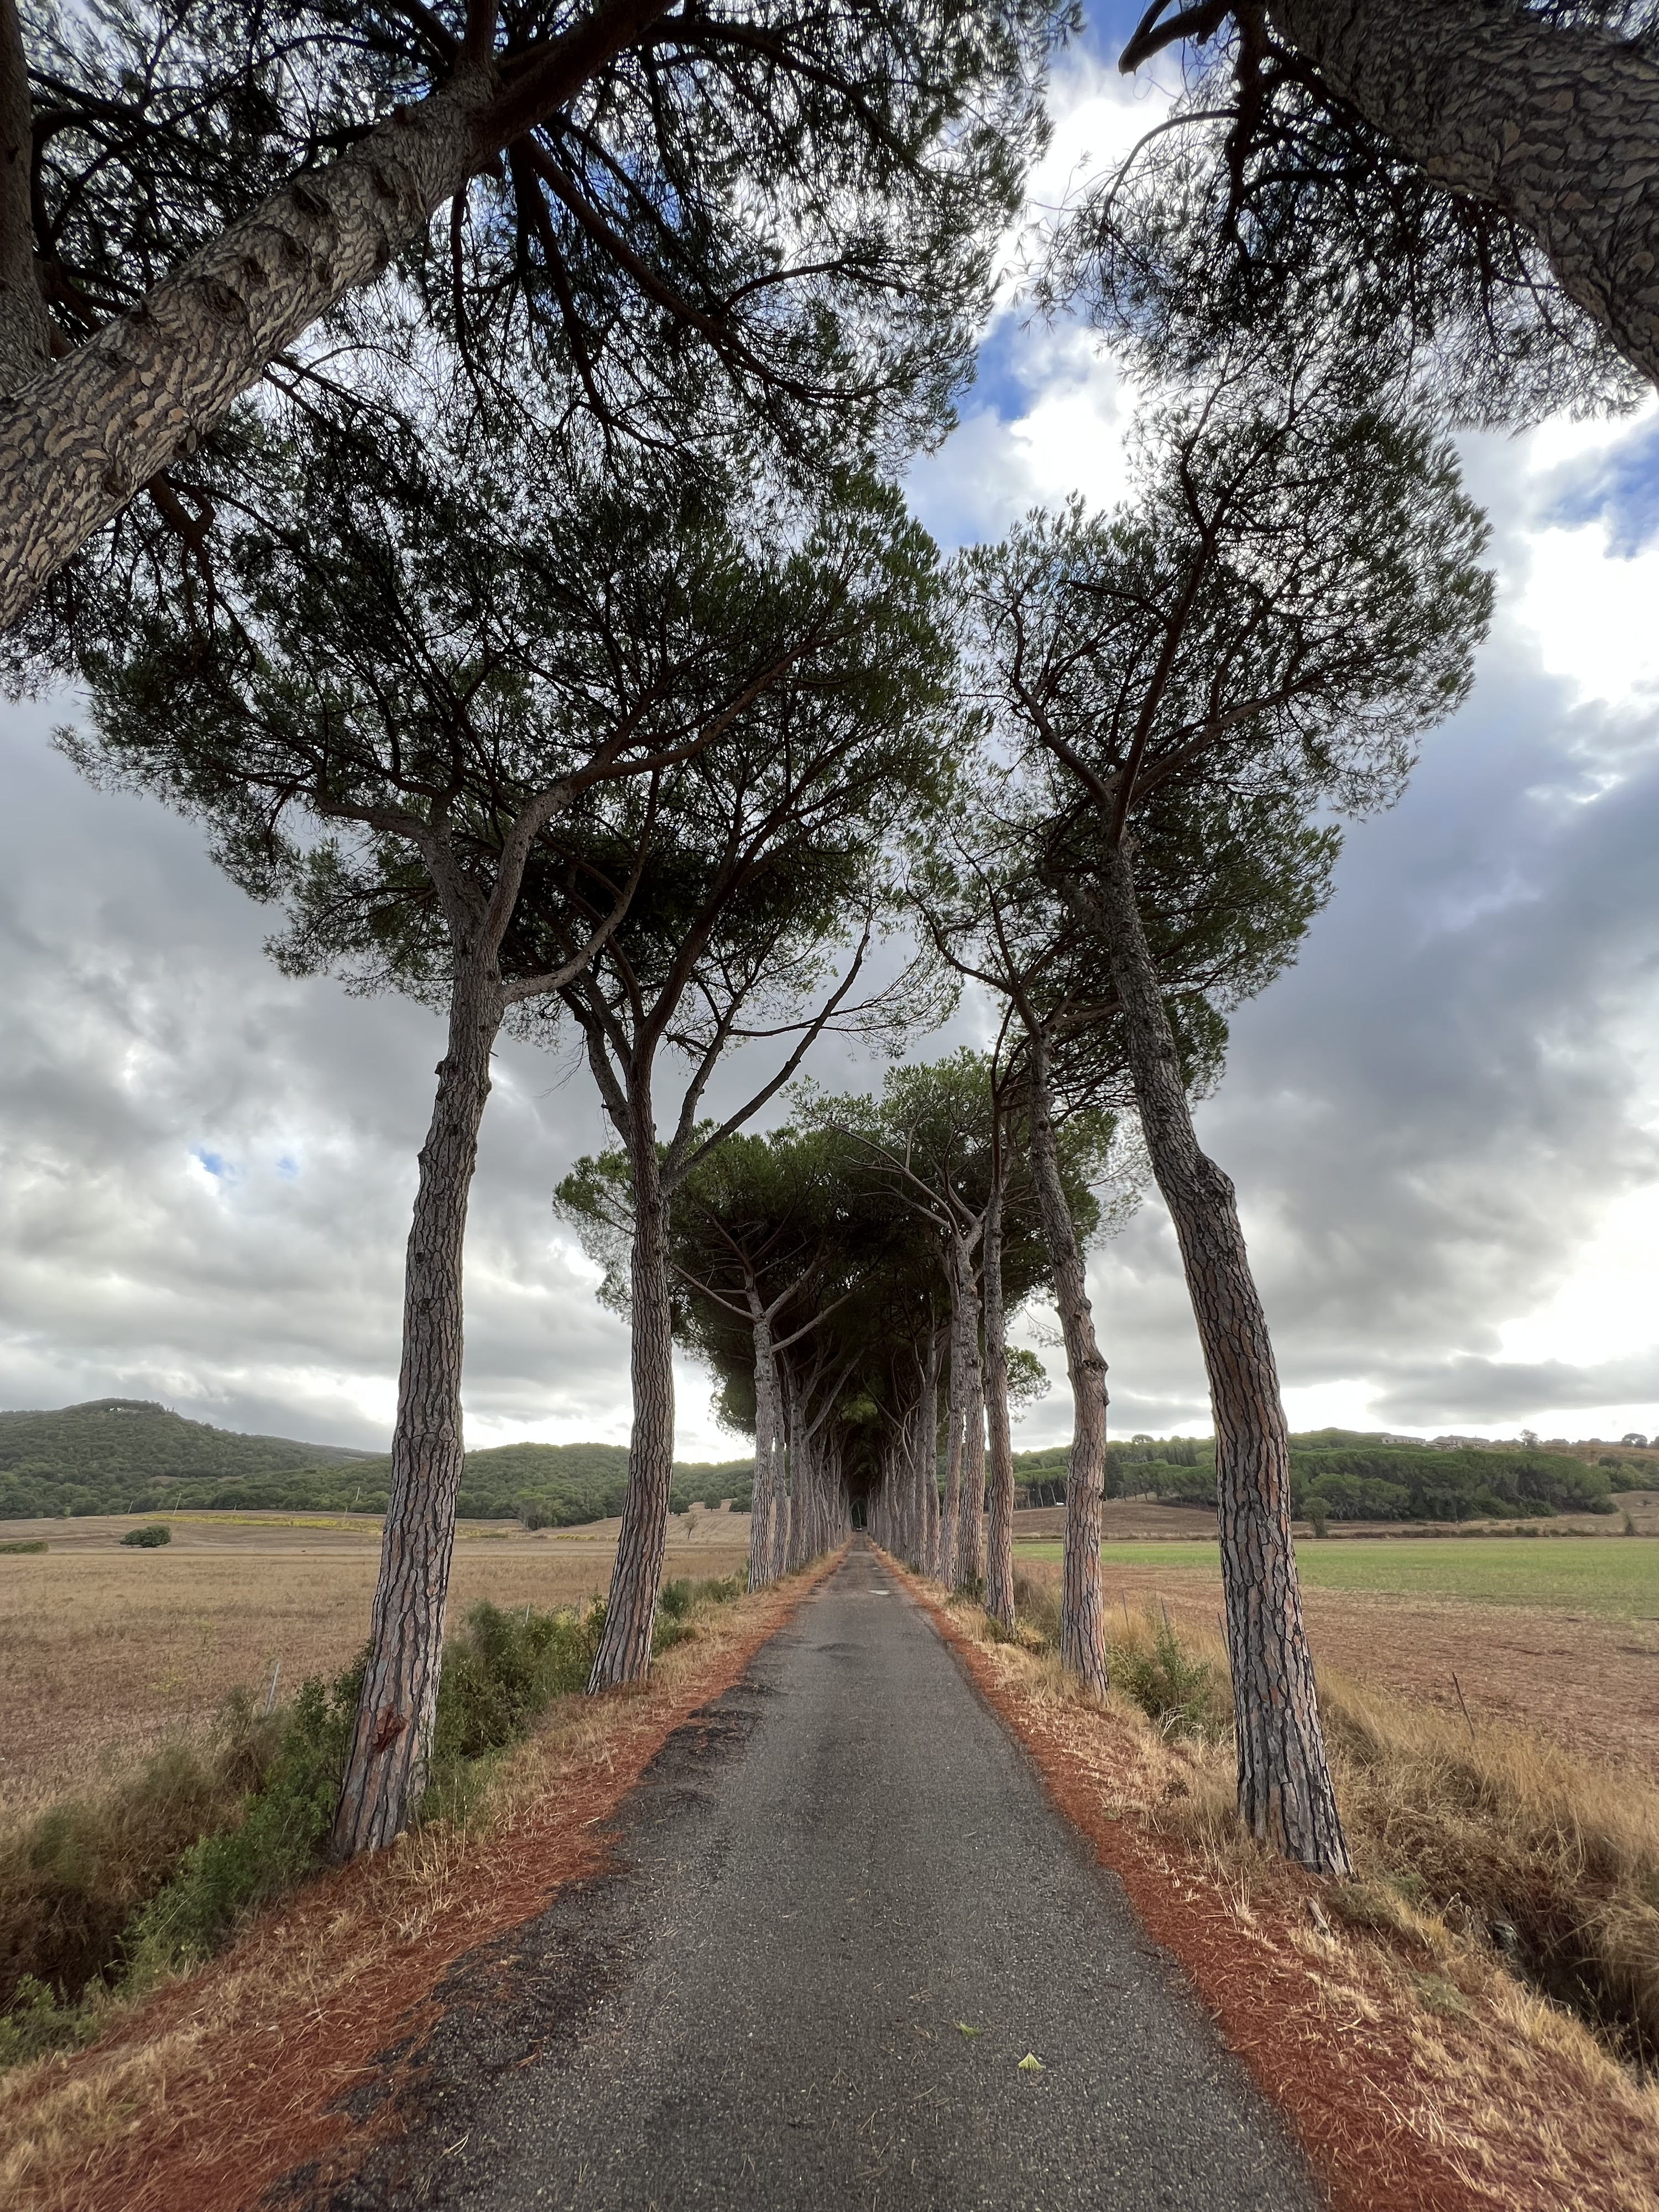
{"x":846,"y":1858}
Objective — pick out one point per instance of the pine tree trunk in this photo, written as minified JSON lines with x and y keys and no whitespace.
{"x":999,"y":1562}
{"x":25,"y":333}
{"x":916,"y":1505}
{"x":802,"y":1476}
{"x":624,"y":1652}
{"x":1285,"y":1792}
{"x":1082,"y":1614}
{"x":783,"y":1512}
{"x":391,"y":1739}
{"x":933,"y":1541}
{"x":970,"y":1526}
{"x":954,"y":1425}
{"x":799,"y":1476}
{"x":896,"y":1471}
{"x":783,"y":1520}
{"x":1556,"y":124}
{"x":763,"y":1505}
{"x":79,"y":440}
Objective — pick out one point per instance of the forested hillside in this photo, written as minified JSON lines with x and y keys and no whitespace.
{"x":1358,"y":1477}
{"x":99,"y":1457}
{"x":129,"y":1455}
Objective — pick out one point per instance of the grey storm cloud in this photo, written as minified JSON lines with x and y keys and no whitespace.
{"x":206,"y":1168}
{"x":1477,"y":1389}
{"x":1432,"y":1111}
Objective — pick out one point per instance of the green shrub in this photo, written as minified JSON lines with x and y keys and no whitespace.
{"x":159,"y":1872}
{"x":25,"y":1544}
{"x":156,"y":1532}
{"x":503,"y":1670}
{"x":277,"y":1841}
{"x":71,"y":1879}
{"x":1037,"y":1605}
{"x":1184,"y":1696}
{"x":38,"y":2023}
{"x":676,"y":1601}
{"x":1319,"y":1513}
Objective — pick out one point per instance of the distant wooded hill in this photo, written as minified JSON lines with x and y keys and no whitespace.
{"x":128,"y":1456}
{"x":1359,"y":1477}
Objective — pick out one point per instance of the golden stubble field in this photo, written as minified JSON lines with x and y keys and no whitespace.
{"x":1588,"y":1682}
{"x":106,"y":1650}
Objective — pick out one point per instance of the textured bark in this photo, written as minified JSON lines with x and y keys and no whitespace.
{"x":800,"y":1457}
{"x":802,"y":1473}
{"x":624,"y":1652}
{"x":25,"y":334}
{"x":898,"y":1491}
{"x":814,"y":1474}
{"x":79,"y":440}
{"x":385,"y":1772}
{"x":951,"y":1515}
{"x":930,"y":1495}
{"x":1557,"y":125}
{"x":1000,"y":1555}
{"x":783,"y":1520}
{"x":386,"y":1768}
{"x":1284,"y":1792}
{"x":82,"y":436}
{"x":1082,"y":1614}
{"x":764,"y":1510}
{"x":968,"y":1563}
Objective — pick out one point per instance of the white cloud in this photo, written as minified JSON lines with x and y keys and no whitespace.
{"x":1443,"y":1123}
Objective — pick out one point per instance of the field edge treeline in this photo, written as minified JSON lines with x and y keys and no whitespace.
{"x":131,"y":1455}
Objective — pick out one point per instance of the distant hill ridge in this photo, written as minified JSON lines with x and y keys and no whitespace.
{"x":133,"y":1455}
{"x":1351,"y":1475}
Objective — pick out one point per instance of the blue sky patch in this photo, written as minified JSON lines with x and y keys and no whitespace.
{"x":1620,"y":489}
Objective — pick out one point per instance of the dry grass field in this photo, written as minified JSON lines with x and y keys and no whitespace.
{"x":105,"y":1650}
{"x":1588,"y":1681}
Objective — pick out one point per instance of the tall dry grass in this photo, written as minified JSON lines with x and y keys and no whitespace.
{"x":322,"y":1958}
{"x":1410,"y":2008}
{"x":1489,"y":1839}
{"x":107,"y":1656}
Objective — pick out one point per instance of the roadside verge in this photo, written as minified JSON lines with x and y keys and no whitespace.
{"x":1415,"y":2079}
{"x":199,"y":2097}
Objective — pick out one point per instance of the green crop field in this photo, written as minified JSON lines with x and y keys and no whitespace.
{"x":1589,"y":1574}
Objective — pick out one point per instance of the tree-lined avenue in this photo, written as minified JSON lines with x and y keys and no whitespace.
{"x":820,"y":1882}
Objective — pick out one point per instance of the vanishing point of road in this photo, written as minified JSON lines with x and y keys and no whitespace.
{"x":842,"y":1866}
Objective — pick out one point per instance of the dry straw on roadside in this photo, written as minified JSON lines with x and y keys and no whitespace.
{"x":1470,"y":2020}
{"x":199,"y":2096}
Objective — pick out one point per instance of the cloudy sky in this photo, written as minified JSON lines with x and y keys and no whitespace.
{"x":1443,"y":1123}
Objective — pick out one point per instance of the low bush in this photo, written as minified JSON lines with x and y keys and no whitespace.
{"x":1036,"y":1605}
{"x":1554,"y":1861}
{"x":71,"y":1880}
{"x":503,"y":1670}
{"x":117,"y":1891}
{"x":147,"y":1539}
{"x":1181,"y":1695}
{"x":275,"y":1841}
{"x":1546,"y":1863}
{"x":677,"y":1599}
{"x":38,"y":1543}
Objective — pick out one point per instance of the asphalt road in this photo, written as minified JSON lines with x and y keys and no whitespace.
{"x":845,"y":1863}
